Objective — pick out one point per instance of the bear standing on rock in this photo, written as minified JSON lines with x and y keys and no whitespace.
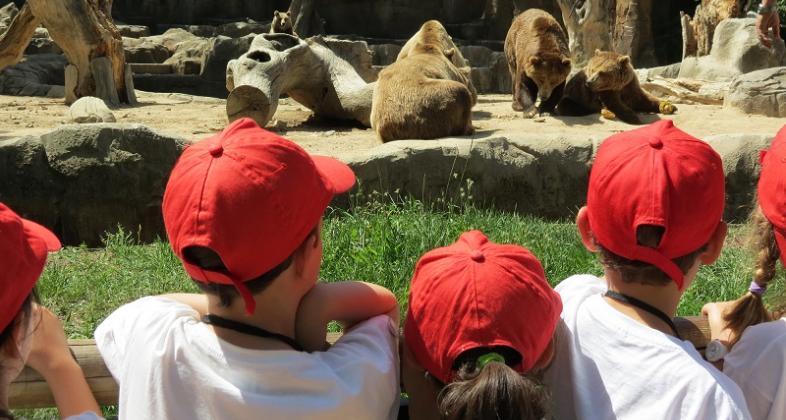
{"x":539,"y":60}
{"x":424,"y":94}
{"x":609,"y":85}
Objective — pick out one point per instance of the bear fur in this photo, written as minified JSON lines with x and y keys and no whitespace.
{"x":609,"y":84}
{"x":424,"y":94}
{"x":282,"y":23}
{"x":539,"y":61}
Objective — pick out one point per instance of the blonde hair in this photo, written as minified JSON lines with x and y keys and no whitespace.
{"x":749,"y":309}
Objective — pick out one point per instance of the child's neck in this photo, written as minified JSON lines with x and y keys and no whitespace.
{"x":664,"y":298}
{"x":275,"y":312}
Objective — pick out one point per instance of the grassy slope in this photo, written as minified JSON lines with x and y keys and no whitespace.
{"x":379,"y":244}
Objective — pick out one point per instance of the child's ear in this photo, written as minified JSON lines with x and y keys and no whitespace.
{"x":582,"y":222}
{"x":715,"y":245}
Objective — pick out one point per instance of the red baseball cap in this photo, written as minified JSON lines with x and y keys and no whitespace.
{"x":656,"y":175}
{"x":477,"y":294}
{"x":252,"y":197}
{"x":772,"y":189}
{"x":24,"y":246}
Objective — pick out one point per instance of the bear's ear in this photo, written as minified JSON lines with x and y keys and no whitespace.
{"x":598,"y":51}
{"x":566,"y":62}
{"x":276,"y":12}
{"x":449,"y":52}
{"x":624,"y":60}
{"x":289,"y":13}
{"x":534,"y":60}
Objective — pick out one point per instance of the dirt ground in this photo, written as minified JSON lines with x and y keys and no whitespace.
{"x":195,"y":118}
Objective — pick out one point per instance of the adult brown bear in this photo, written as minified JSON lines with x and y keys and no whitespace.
{"x":424,"y":94}
{"x":539,"y":61}
{"x":609,"y":83}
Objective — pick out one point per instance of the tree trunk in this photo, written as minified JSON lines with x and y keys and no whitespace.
{"x":306,"y":21}
{"x":632,"y":34}
{"x":83,"y":29}
{"x":16,"y":38}
{"x":622,"y":26}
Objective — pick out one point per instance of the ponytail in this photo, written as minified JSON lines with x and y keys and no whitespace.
{"x":492,"y":390}
{"x":749,"y":309}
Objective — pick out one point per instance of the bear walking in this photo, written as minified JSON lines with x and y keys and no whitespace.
{"x":539,"y":61}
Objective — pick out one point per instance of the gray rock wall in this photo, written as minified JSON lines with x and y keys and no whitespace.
{"x":84,"y":180}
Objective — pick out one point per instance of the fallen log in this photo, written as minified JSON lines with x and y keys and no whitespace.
{"x":30,"y":390}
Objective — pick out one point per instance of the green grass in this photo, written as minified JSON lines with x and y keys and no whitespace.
{"x":379,"y":243}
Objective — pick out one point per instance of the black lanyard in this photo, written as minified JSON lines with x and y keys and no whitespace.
{"x":250,"y":330}
{"x":619,"y":297}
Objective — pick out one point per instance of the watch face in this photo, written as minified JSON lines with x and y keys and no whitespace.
{"x":715,"y":351}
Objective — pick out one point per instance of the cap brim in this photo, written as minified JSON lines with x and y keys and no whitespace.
{"x":338,"y":173}
{"x":35,"y":230}
{"x":780,"y":239}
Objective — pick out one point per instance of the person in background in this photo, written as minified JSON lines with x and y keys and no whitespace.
{"x":478,"y":332}
{"x":767,"y":20}
{"x":29,"y":333}
{"x":749,"y":341}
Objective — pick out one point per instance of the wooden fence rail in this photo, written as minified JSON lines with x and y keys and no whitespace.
{"x":31,"y":391}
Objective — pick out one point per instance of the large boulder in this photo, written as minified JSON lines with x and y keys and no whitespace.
{"x":219,"y":51}
{"x":144,"y":51}
{"x":740,"y":153}
{"x":736,"y":49}
{"x":759,"y":92}
{"x":531,"y":174}
{"x":35,"y":75}
{"x":84,"y":180}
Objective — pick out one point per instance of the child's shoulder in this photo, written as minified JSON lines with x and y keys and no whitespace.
{"x":580,"y":287}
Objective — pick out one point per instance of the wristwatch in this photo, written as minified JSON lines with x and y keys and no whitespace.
{"x":766,"y":10}
{"x":715,"y":351}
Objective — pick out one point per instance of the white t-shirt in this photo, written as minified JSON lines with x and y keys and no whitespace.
{"x":172,"y":366}
{"x":758,"y":364}
{"x":608,"y":366}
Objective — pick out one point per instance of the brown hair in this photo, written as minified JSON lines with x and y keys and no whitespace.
{"x":208,"y":259}
{"x":7,"y":337}
{"x":495,"y":391}
{"x":749,"y":309}
{"x":632,"y":271}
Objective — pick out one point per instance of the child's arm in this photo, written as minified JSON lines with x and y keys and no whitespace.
{"x":346,"y":302}
{"x":51,"y":357}
{"x":197,"y":301}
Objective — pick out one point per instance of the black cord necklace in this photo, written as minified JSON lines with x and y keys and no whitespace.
{"x":242,"y":328}
{"x":619,"y":297}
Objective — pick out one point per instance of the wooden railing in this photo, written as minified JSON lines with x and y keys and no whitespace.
{"x":31,"y":391}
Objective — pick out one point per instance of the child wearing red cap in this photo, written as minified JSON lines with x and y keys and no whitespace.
{"x":653,"y":213}
{"x":479,"y":327}
{"x":243,"y":213}
{"x":29,"y":333}
{"x":757,"y":338}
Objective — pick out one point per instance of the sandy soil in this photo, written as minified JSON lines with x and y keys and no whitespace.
{"x":195,"y":118}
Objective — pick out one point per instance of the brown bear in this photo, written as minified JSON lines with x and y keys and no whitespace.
{"x":609,"y":84}
{"x":282,"y":23}
{"x":539,"y":61}
{"x":424,"y":95}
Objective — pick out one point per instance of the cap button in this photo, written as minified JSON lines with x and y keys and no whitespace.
{"x":216,"y":150}
{"x":476,"y":255}
{"x":656,"y":143}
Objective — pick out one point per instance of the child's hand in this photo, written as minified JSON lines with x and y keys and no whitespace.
{"x":716,"y":313}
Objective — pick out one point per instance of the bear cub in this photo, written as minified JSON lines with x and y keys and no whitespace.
{"x":609,"y":85}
